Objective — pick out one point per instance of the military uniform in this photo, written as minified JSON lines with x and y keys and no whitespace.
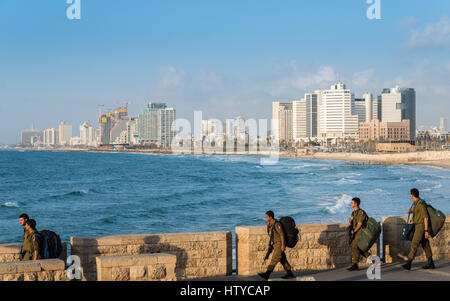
{"x":276,"y":232}
{"x":26,"y":249}
{"x":35,"y":244}
{"x":419,"y":213}
{"x":359,"y":216}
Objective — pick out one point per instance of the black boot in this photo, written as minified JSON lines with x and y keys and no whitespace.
{"x":407,"y":265}
{"x":354,"y":267}
{"x":289,"y":275}
{"x":430,"y":264}
{"x":265,"y":275}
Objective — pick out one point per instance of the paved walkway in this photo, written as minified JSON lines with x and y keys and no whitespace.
{"x":389,"y":272}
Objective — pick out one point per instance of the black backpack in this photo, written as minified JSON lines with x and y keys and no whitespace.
{"x":51,"y":243}
{"x":290,"y":231}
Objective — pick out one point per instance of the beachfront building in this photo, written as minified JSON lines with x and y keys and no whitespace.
{"x":87,"y":134}
{"x":384,"y":131}
{"x":155,"y":125}
{"x":337,"y":116}
{"x":65,"y":133}
{"x":443,"y":125}
{"x":51,"y":137}
{"x":398,"y":104}
{"x":360,"y":109}
{"x":305,"y":117}
{"x":282,"y":123}
{"x":32,"y":137}
{"x":373,"y":107}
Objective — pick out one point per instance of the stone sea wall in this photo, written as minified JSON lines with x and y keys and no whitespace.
{"x":396,"y":249}
{"x":197,"y":254}
{"x":39,"y":270}
{"x":145,"y":267}
{"x":320,"y":247}
{"x":11,"y":252}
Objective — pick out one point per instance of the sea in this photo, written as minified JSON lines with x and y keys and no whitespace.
{"x":98,"y":194}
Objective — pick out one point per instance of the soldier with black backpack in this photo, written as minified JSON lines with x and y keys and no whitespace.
{"x":278,"y":245}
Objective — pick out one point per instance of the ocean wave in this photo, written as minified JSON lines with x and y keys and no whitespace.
{"x":380,"y":191}
{"x":342,"y":203}
{"x":10,"y":205}
{"x":344,"y":181}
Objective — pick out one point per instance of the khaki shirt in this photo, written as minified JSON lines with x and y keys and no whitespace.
{"x":276,"y":232}
{"x":26,"y":241}
{"x":36,"y":245}
{"x":358,"y":217}
{"x":419,"y":212}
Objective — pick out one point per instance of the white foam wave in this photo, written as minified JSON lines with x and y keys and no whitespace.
{"x":348,"y":181}
{"x":342,"y":203}
{"x":10,"y":205}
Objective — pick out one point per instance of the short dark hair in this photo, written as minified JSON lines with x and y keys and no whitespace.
{"x":415,"y":192}
{"x":270,"y":214}
{"x":24,"y":216}
{"x":356,"y":200}
{"x":31,"y":223}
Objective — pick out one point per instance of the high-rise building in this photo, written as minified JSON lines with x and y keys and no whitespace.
{"x":361,"y":109}
{"x":108,"y":121}
{"x":299,"y":119}
{"x":51,"y":137}
{"x":32,"y":137}
{"x":65,"y":133}
{"x":337,"y":118}
{"x":398,"y":104}
{"x":282,"y":127}
{"x":373,"y":107}
{"x":87,"y":134}
{"x":443,"y":125}
{"x":155,"y":124}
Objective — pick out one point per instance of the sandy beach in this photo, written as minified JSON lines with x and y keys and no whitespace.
{"x":427,"y":158}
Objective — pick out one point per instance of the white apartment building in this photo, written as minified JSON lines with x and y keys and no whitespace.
{"x":337,"y":118}
{"x":51,"y":137}
{"x":65,"y":133}
{"x":87,"y":134}
{"x":282,"y":125}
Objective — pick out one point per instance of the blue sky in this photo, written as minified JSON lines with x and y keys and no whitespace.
{"x":226,"y":58}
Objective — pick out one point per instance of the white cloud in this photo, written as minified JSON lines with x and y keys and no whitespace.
{"x":435,"y":35}
{"x":408,"y":22}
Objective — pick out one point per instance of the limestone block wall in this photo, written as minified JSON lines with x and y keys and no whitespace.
{"x":320,"y":246}
{"x":396,"y":249}
{"x":40,"y":270}
{"x":11,"y":252}
{"x":145,"y":267}
{"x":198,"y":254}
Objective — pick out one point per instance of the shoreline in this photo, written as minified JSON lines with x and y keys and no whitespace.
{"x":435,"y":159}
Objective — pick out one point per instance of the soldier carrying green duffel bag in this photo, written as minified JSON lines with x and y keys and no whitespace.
{"x":359,"y":234}
{"x":427,"y":223}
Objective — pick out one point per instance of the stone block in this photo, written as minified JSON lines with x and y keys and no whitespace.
{"x":120,"y":274}
{"x":138,"y":273}
{"x":52,"y":264}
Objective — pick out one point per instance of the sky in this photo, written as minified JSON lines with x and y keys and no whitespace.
{"x":226,"y":58}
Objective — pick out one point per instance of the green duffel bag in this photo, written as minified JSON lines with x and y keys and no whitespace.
{"x":436,"y":219}
{"x":369,"y":234}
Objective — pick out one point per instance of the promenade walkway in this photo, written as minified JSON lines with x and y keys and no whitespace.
{"x":389,"y":272}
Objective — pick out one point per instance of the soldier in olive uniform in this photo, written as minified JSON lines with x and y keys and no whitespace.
{"x":275,"y":231}
{"x":357,"y":221}
{"x":26,"y":237}
{"x":36,"y":248}
{"x":421,"y":236}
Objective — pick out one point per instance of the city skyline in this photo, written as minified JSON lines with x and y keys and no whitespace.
{"x":61,"y":70}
